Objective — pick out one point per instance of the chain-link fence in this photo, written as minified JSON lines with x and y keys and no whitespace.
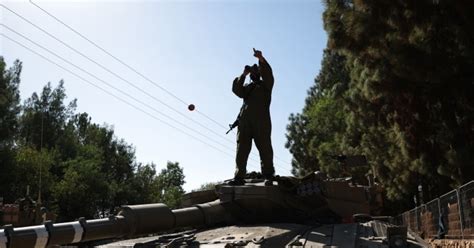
{"x":466,"y":194}
{"x":430,"y":218}
{"x":451,"y":216}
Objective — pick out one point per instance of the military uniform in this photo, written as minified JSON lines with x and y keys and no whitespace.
{"x":254,"y":121}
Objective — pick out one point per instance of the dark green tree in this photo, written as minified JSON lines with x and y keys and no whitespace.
{"x":117,"y":160}
{"x":82,"y":190}
{"x":80,"y":168}
{"x":33,"y":170}
{"x":45,"y":117}
{"x":316,"y":133}
{"x":9,"y":113}
{"x":144,"y":185}
{"x":170,"y":182}
{"x":9,"y":102}
{"x":411,"y":91}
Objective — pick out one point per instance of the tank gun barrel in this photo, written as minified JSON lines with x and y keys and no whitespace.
{"x":132,"y":220}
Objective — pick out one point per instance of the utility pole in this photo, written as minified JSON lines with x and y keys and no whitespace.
{"x":41,"y":155}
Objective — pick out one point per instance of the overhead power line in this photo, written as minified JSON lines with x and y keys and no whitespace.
{"x":132,"y":68}
{"x":125,"y":64}
{"x":119,"y":90}
{"x":111,"y":72}
{"x":119,"y":98}
{"x":109,"y":84}
{"x":127,"y":81}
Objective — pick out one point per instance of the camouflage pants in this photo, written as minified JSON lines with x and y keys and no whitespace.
{"x":260,"y":133}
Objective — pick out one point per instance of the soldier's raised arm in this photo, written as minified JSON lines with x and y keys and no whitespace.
{"x":265,"y":69}
{"x":238,"y":84}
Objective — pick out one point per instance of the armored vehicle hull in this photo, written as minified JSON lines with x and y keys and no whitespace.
{"x":310,"y":212}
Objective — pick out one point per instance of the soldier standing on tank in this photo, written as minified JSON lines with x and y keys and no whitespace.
{"x":254,"y":119}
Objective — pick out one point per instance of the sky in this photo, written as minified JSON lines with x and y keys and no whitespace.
{"x":192,"y":49}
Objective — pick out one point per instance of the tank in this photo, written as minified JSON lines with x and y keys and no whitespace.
{"x":313,"y":211}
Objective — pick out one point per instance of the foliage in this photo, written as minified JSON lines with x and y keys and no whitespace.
{"x":83,"y":187}
{"x":171,"y":181}
{"x":30,"y":164}
{"x":315,"y":134}
{"x":82,"y":167}
{"x":411,"y":73}
{"x":405,"y":95}
{"x":44,"y":117}
{"x":9,"y":102}
{"x":9,"y":111}
{"x":208,"y":186}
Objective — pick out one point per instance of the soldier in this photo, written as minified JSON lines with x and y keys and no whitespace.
{"x":254,"y":119}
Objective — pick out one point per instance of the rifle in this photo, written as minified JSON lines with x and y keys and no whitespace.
{"x":233,"y":125}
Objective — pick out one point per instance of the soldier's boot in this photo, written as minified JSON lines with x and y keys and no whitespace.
{"x":268,"y":182}
{"x":269,"y":179}
{"x":236,"y":182}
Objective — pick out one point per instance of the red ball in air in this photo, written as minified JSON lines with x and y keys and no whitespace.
{"x":191,"y":107}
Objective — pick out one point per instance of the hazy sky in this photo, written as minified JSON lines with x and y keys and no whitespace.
{"x":193,"y":49}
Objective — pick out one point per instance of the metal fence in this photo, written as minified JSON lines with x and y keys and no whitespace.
{"x":451,"y":216}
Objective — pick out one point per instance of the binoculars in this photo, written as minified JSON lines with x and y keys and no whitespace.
{"x":252,"y":69}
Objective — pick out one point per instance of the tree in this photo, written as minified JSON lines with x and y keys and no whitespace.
{"x":170,"y":182}
{"x":80,"y":167}
{"x":45,"y":117}
{"x":408,"y":61}
{"x":82,"y":190}
{"x":33,"y":169}
{"x":316,"y":133}
{"x":117,"y":160}
{"x":144,"y":188}
{"x":9,"y":112}
{"x":9,"y":102}
{"x":208,"y":186}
